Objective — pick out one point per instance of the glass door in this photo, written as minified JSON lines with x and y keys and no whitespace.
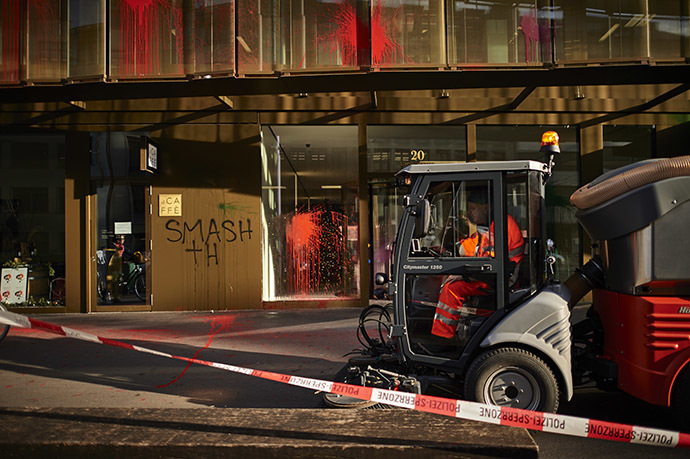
{"x":122,"y":240}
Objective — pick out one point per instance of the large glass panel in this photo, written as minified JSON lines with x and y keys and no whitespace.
{"x":498,"y":32}
{"x":600,"y":29}
{"x":258,"y":26}
{"x":501,"y":143}
{"x":121,"y":190}
{"x":214,"y":36}
{"x":390,"y":148}
{"x":668,"y":29}
{"x":10,"y":40}
{"x":310,"y":215}
{"x":86,"y":38}
{"x":47,"y":40}
{"x":407,"y":33}
{"x":32,"y":217}
{"x":303,"y":35}
{"x":146,"y":38}
{"x":625,"y":145}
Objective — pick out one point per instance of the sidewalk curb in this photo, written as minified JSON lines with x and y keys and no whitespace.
{"x":264,"y":433}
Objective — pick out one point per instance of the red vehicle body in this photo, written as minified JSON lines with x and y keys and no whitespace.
{"x":648,"y":338}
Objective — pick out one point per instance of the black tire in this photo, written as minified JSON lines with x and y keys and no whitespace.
{"x":512,"y":377}
{"x":140,"y":287}
{"x":680,"y":399}
{"x":343,"y":401}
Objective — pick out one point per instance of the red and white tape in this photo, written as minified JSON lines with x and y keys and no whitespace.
{"x":547,"y":422}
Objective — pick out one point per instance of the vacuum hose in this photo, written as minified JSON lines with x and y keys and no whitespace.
{"x":584,"y":279}
{"x":622,"y":180}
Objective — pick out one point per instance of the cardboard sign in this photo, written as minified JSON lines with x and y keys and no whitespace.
{"x":14,"y":285}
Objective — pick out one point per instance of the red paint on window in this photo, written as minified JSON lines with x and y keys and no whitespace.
{"x":315,"y":250}
{"x":9,"y":36}
{"x":146,"y":27}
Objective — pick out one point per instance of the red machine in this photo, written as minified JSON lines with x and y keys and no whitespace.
{"x":637,"y":334}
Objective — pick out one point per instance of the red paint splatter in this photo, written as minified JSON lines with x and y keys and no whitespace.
{"x":146,"y":26}
{"x":316,"y":246}
{"x":218,"y":324}
{"x":384,"y":48}
{"x":351,"y":41}
{"x":10,"y":39}
{"x":45,"y":51}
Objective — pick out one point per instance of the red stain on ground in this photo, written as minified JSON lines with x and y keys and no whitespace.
{"x":218,"y":324}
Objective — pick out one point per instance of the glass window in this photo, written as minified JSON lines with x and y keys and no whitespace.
{"x":86,"y":38}
{"x":461,"y":216}
{"x":310,"y":216}
{"x":407,"y":33}
{"x":47,"y":40}
{"x":498,"y":32}
{"x":600,"y":29}
{"x":32,"y":212}
{"x":500,"y":143}
{"x":625,"y":145}
{"x":311,"y":34}
{"x":146,"y":38}
{"x":257,"y":29}
{"x":390,"y":148}
{"x":214,"y":36}
{"x":668,"y":29}
{"x":10,"y":40}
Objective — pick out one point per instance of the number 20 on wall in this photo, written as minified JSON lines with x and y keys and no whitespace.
{"x":417,"y":155}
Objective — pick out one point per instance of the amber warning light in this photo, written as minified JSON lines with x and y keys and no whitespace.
{"x":549,"y":142}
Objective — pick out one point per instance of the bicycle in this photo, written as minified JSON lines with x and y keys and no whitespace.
{"x":132,"y":281}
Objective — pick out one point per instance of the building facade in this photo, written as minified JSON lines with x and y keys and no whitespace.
{"x":246,"y":149}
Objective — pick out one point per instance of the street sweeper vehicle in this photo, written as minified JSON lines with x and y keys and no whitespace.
{"x":477,"y":312}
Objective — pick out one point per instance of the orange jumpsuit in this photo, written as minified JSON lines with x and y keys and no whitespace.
{"x":455,"y":289}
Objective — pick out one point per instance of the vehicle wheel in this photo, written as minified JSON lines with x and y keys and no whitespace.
{"x":140,"y":287}
{"x":512,"y":377}
{"x":680,"y":399}
{"x":343,"y":401}
{"x":4,"y":329}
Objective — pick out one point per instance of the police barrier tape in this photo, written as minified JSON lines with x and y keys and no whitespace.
{"x":547,"y":422}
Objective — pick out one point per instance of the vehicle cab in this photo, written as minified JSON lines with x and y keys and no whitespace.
{"x":472,"y":239}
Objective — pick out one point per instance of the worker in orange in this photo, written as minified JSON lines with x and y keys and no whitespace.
{"x":455,"y":290}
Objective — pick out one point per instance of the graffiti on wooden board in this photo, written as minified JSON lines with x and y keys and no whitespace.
{"x":201,"y":238}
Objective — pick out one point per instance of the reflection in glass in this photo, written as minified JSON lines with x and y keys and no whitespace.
{"x":86,"y":38}
{"x":310,"y":216}
{"x":122,"y":247}
{"x":146,"y":38}
{"x":601,"y":29}
{"x":390,"y":148}
{"x":669,"y":32}
{"x":214,"y":36}
{"x":32,"y":212}
{"x":407,"y":33}
{"x":10,"y":40}
{"x":47,"y":40}
{"x":497,"y":143}
{"x":625,"y":145}
{"x":310,"y":34}
{"x":498,"y":32}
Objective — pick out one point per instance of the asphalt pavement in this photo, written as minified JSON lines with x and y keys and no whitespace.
{"x":46,"y":378}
